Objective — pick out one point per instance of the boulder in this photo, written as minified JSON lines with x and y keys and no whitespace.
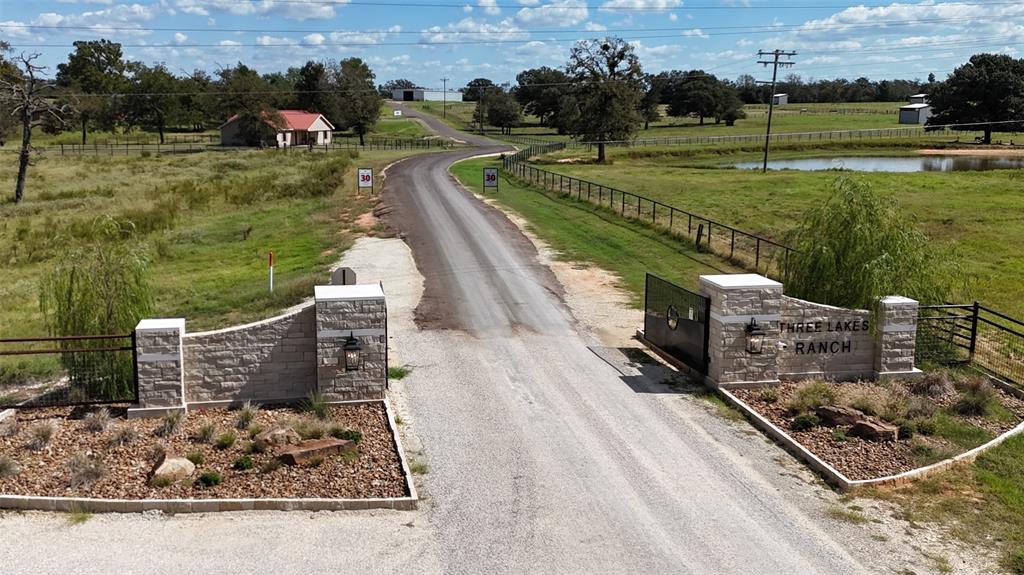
{"x":173,"y":468}
{"x":306,"y":450}
{"x":277,"y":436}
{"x":834,"y":415}
{"x":872,"y":429}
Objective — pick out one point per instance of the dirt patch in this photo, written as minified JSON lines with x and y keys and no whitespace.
{"x":860,"y":459}
{"x":375,"y":472}
{"x":367,"y":221}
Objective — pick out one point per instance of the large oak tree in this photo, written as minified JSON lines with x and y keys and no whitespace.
{"x":988,"y":88}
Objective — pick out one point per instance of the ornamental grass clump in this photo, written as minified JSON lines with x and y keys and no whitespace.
{"x":8,"y":467}
{"x":859,"y":246}
{"x":225,"y":441}
{"x":246,"y":415}
{"x":84,"y":469}
{"x":97,"y":421}
{"x":209,"y":478}
{"x":170,"y":424}
{"x":977,"y":397}
{"x":315,"y":404}
{"x":124,"y":435}
{"x":40,"y":434}
{"x":206,"y":433}
{"x":811,"y":395}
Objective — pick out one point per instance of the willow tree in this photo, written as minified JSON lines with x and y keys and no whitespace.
{"x":98,"y":288}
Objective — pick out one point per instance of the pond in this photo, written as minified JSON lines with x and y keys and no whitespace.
{"x":894,"y":164}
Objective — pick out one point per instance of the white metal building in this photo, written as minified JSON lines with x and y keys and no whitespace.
{"x":915,"y":113}
{"x":780,"y":99}
{"x":420,"y":95}
{"x":919,"y":99}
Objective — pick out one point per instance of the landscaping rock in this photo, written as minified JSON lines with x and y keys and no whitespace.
{"x":174,"y":468}
{"x":278,"y":436}
{"x":306,"y":450}
{"x":835,"y":415}
{"x":874,"y":430}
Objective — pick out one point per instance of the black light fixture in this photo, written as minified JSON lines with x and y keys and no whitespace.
{"x":755,"y":337}
{"x":353,"y":353}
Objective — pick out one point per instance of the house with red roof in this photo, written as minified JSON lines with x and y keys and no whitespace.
{"x":299,"y":128}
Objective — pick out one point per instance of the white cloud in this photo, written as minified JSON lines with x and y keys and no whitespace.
{"x":180,"y":38}
{"x":555,"y":13}
{"x":695,"y":32}
{"x":673,"y":17}
{"x":652,"y":5}
{"x":594,"y":27}
{"x":469,"y":29}
{"x":293,"y":9}
{"x":490,"y":7}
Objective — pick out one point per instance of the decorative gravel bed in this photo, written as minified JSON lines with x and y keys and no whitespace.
{"x":375,"y":471}
{"x":945,"y":433}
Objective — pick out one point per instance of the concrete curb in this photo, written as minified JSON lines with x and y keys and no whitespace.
{"x":92,"y":505}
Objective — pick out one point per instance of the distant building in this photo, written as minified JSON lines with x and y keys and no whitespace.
{"x":421,"y":95}
{"x":917,"y":111}
{"x":780,"y":99}
{"x":300,"y":128}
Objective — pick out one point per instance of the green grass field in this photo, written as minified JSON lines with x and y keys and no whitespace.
{"x":980,"y":214}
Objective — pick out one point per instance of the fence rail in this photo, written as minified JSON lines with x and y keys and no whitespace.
{"x":127,"y":149}
{"x":751,"y":251}
{"x":68,"y":370}
{"x":972,"y":334}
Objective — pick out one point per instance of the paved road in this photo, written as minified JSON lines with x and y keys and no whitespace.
{"x":543,"y":457}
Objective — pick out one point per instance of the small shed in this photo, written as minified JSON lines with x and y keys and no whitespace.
{"x":919,"y":99}
{"x":780,"y":99}
{"x":422,"y":95}
{"x":301,"y":128}
{"x":915,"y":113}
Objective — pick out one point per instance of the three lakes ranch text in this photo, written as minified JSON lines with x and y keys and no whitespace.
{"x":824,"y":346}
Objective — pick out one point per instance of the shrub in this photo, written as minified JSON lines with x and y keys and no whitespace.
{"x":206,"y":433}
{"x":209,"y":478}
{"x":255,"y":429}
{"x":124,"y":435}
{"x":254,"y":447}
{"x":170,"y":423}
{"x":839,"y":434}
{"x":225,"y":441}
{"x":10,"y":428}
{"x":399,"y":372}
{"x":805,"y":421}
{"x":161,"y":481}
{"x":156,"y":452}
{"x":920,"y":407}
{"x":98,"y":420}
{"x":977,"y":397}
{"x":907,"y":428}
{"x":8,"y":467}
{"x":339,"y":432}
{"x":858,"y":246}
{"x":315,"y":404}
{"x":769,"y":395}
{"x":1015,"y":561}
{"x":308,"y":428}
{"x":84,"y":470}
{"x":243,"y":463}
{"x":926,"y":426}
{"x":270,"y":466}
{"x":315,"y":461}
{"x":196,"y":457}
{"x":932,"y":384}
{"x":40,"y":434}
{"x":811,"y":395}
{"x":246,"y":414}
{"x":865,"y":404}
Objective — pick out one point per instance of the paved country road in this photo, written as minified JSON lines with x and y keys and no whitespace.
{"x":542,"y":457}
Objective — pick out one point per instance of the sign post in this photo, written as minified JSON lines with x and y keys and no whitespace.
{"x":270,"y":258}
{"x":366,"y":178}
{"x":491,"y":178}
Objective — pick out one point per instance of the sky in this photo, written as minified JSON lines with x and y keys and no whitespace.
{"x":427,"y":40}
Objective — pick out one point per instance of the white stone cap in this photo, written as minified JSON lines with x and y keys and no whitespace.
{"x":897,"y":299}
{"x":352,"y":292}
{"x":740,"y":281}
{"x":165,"y":324}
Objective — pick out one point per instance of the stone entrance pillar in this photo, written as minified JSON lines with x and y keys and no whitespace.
{"x":735,"y":300}
{"x":357,"y":311}
{"x":896,"y":337}
{"x":160,"y":367}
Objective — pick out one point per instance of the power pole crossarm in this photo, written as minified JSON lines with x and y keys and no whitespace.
{"x":774,"y":63}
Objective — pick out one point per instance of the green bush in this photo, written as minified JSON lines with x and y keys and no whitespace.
{"x":209,"y":478}
{"x":225,"y":441}
{"x":308,"y":428}
{"x":196,"y":457}
{"x":316,"y":404}
{"x":246,"y":414}
{"x":926,"y":426}
{"x":270,"y":466}
{"x":206,"y":433}
{"x":339,"y":432}
{"x":769,"y":395}
{"x":805,"y":421}
{"x":811,"y":395}
{"x":907,"y":428}
{"x":858,"y":246}
{"x":977,"y":397}
{"x":243,"y":463}
{"x":839,"y":434}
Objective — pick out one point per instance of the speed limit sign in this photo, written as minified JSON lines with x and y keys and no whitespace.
{"x":491,"y":178}
{"x":366,"y":178}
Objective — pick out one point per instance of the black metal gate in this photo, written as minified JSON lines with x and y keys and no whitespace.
{"x":676,"y":321}
{"x":69,"y":370}
{"x":974,"y":334}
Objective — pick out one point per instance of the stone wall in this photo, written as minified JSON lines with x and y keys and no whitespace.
{"x":735,"y":300}
{"x":274,"y":359}
{"x":821,"y":340}
{"x":358,"y":311}
{"x":158,"y":356}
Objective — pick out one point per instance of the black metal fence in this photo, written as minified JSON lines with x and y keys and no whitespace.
{"x":750,"y":251}
{"x":676,"y":320}
{"x":972,"y":334}
{"x":70,"y":370}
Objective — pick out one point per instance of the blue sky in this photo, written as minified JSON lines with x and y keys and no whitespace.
{"x":425,"y":40}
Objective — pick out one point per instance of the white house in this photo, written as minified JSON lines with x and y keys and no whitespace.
{"x":420,"y":95}
{"x":300,"y":128}
{"x":917,"y":111}
{"x":780,"y":99}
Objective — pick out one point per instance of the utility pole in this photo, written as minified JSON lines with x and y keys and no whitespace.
{"x":774,"y":63}
{"x":444,"y":98}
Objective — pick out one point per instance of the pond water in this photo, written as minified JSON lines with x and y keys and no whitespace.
{"x":894,"y":164}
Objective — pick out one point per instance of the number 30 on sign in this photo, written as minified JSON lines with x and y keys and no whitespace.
{"x":491,"y":178}
{"x":366,"y":178}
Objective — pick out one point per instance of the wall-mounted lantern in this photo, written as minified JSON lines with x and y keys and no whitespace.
{"x":353,"y":353}
{"x":755,"y":337}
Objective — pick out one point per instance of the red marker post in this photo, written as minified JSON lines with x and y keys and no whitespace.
{"x":271,"y":261}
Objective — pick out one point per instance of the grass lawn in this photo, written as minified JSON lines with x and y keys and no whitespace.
{"x":207,"y":219}
{"x":980,"y":214}
{"x":627,"y":248}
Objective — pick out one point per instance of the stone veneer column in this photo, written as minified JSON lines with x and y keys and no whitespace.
{"x":158,"y":362}
{"x":360,"y":311}
{"x":735,"y":299}
{"x":895,"y":337}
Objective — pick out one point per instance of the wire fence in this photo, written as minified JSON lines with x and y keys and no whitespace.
{"x":972,"y":334}
{"x":745,"y":249}
{"x":128,"y":148}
